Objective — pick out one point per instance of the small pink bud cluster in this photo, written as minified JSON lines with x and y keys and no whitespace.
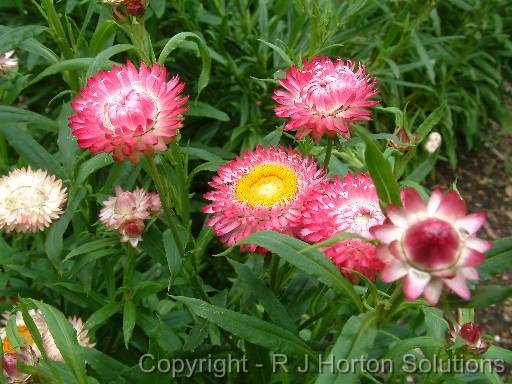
{"x":127,"y":211}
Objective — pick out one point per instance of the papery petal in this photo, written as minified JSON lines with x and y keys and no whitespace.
{"x":415,"y":283}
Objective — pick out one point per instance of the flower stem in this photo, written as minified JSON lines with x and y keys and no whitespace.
{"x":164,"y":197}
{"x":129,"y":267}
{"x":274,"y":267}
{"x":392,"y":305}
{"x":328,"y":153}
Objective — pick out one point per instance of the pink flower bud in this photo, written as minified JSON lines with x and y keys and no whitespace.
{"x":471,"y":332}
{"x":135,"y":7}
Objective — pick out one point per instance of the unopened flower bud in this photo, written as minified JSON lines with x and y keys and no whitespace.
{"x":434,"y":141}
{"x":406,"y":143}
{"x":135,"y":7}
{"x":472,"y":334}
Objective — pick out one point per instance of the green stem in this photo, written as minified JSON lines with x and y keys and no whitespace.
{"x":392,"y":305}
{"x":328,"y":153}
{"x":129,"y":267}
{"x":315,"y":317}
{"x":164,"y":197}
{"x":274,"y":267}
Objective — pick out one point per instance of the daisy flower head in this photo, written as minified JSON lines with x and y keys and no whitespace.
{"x":325,"y":97}
{"x":348,"y":204}
{"x":433,"y":246}
{"x":30,"y":200}
{"x":127,"y":211}
{"x":263,"y":189}
{"x":129,"y":112}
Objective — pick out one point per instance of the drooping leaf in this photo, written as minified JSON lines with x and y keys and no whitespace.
{"x":249,"y":328}
{"x":380,"y":172}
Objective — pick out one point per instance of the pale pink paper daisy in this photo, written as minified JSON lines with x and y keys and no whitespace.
{"x":8,"y":62}
{"x":325,"y":98}
{"x":127,"y":211}
{"x":262,"y":190}
{"x":30,"y":200}
{"x":128,"y":111}
{"x":342,"y":205}
{"x":431,"y":245}
{"x":82,"y":336}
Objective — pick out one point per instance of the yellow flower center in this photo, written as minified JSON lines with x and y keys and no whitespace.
{"x":267,"y":185}
{"x":25,"y":336}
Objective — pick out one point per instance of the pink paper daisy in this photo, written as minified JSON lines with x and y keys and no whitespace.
{"x":431,"y":245}
{"x":325,"y":97}
{"x":345,"y":205}
{"x":128,"y":111}
{"x":262,"y":190}
{"x":127,"y":211}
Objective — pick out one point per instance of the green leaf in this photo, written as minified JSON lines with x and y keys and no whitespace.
{"x":35,"y":47}
{"x":103,"y":57}
{"x":67,"y":143}
{"x":489,"y":295}
{"x":265,"y":296}
{"x":102,"y":315}
{"x":430,"y":122}
{"x":90,"y":247}
{"x":148,"y":288}
{"x":158,"y":6}
{"x":498,"y":259}
{"x":436,"y":324}
{"x":423,"y":170}
{"x":11,"y":37}
{"x":66,"y":65}
{"x":196,"y":336}
{"x":425,"y":59}
{"x":498,"y":353}
{"x":334,"y":239}
{"x":272,"y":139}
{"x":200,"y":109}
{"x":172,"y":254}
{"x":280,"y":52}
{"x":111,"y":370}
{"x":250,"y":328}
{"x":103,"y":37}
{"x":92,"y":165}
{"x":176,"y":41}
{"x":380,"y":172}
{"x":33,"y":152}
{"x":65,"y":338}
{"x":355,"y":341}
{"x":312,"y":262}
{"x":54,"y":242}
{"x":90,"y":258}
{"x":17,"y":115}
{"x":129,"y":320}
{"x":401,"y":347}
